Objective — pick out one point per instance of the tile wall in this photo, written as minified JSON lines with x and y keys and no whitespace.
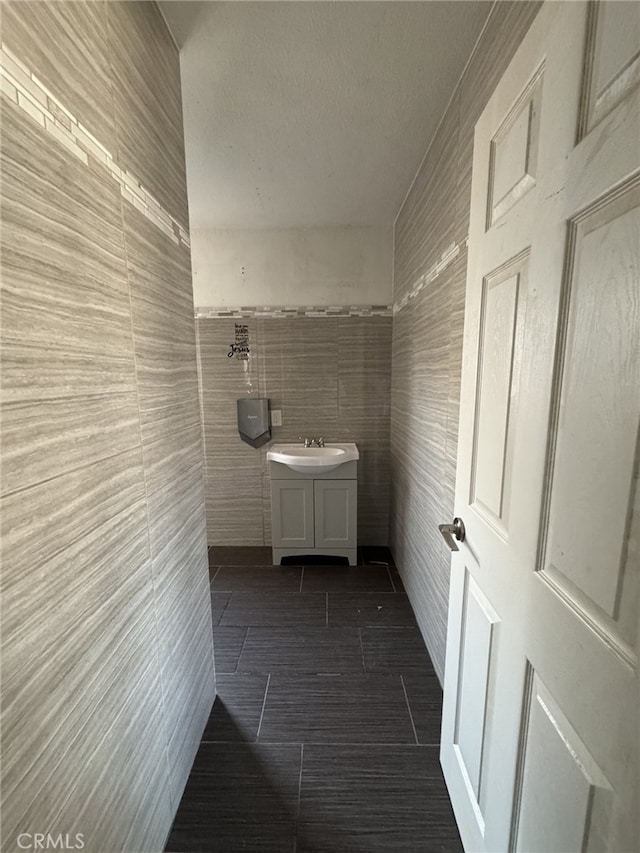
{"x":106,"y":626}
{"x":429,"y":289}
{"x":328,"y":371}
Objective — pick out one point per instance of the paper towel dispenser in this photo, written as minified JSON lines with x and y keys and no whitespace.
{"x":253,"y":420}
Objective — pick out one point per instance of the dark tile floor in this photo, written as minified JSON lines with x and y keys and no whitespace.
{"x":324,"y":734}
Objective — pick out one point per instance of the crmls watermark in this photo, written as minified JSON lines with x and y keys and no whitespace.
{"x":49,"y":841}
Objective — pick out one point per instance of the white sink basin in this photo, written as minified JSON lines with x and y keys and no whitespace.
{"x":313,"y":460}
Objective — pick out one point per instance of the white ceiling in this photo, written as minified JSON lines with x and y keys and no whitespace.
{"x":309,"y":114}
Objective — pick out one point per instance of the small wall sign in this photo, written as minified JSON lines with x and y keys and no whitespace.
{"x":240,"y":348}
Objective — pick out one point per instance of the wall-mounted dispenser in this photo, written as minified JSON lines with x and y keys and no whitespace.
{"x":253,"y":421}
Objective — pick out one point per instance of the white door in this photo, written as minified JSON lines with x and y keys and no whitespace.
{"x":541,"y":719}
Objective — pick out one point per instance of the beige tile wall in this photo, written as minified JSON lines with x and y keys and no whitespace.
{"x":107,"y":660}
{"x":330,"y":377}
{"x":429,"y":287}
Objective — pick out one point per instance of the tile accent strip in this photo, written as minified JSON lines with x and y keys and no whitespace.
{"x":445,"y":260}
{"x":22,"y":87}
{"x":278,"y":312}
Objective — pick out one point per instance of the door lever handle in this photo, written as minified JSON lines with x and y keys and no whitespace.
{"x":450,"y":530}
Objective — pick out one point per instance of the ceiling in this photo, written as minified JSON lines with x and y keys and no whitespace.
{"x":313,"y":114}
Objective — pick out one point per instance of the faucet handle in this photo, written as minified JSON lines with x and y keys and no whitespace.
{"x":320,"y":442}
{"x":307,"y":441}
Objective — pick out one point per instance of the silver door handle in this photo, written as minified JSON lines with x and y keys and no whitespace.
{"x":450,"y":530}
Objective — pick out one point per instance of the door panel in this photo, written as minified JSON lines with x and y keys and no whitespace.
{"x":571,"y":814}
{"x":592,"y":482}
{"x":478,"y":624}
{"x":540,"y":718}
{"x":292,"y":513}
{"x":336,"y":513}
{"x":612,"y":61}
{"x":514,"y":152}
{"x":500,"y":344}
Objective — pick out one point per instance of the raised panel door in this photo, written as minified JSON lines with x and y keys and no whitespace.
{"x":336,"y":513}
{"x":292,"y":513}
{"x":540,"y":746}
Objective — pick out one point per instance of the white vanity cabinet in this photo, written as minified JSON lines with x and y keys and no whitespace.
{"x":314,"y":513}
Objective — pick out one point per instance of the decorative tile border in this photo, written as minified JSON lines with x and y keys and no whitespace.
{"x":445,"y":260}
{"x":277,"y":312}
{"x":25,"y":89}
{"x":22,"y":87}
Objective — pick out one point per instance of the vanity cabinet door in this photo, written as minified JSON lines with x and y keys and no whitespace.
{"x":292,"y":513}
{"x":336,"y":513}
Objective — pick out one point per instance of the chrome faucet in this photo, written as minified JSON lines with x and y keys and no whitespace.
{"x":312,"y":442}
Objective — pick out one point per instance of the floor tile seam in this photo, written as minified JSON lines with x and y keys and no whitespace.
{"x":366,"y":592}
{"x":297,"y":673}
{"x":382,"y":676}
{"x":391,"y":578}
{"x":223,"y":742}
{"x":347,"y":672}
{"x":367,"y":625}
{"x":304,"y":620}
{"x":262,"y":566}
{"x":244,"y":643}
{"x":259,"y":591}
{"x":368,"y":743}
{"x":213,"y":578}
{"x":277,"y":625}
{"x":364,"y":665}
{"x":348,"y":630}
{"x":289,"y":744}
{"x":340,"y":743}
{"x":224,"y":609}
{"x":227,"y":565}
{"x":264,"y":704}
{"x":299,"y":787}
{"x":367,"y":598}
{"x":406,"y":698}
